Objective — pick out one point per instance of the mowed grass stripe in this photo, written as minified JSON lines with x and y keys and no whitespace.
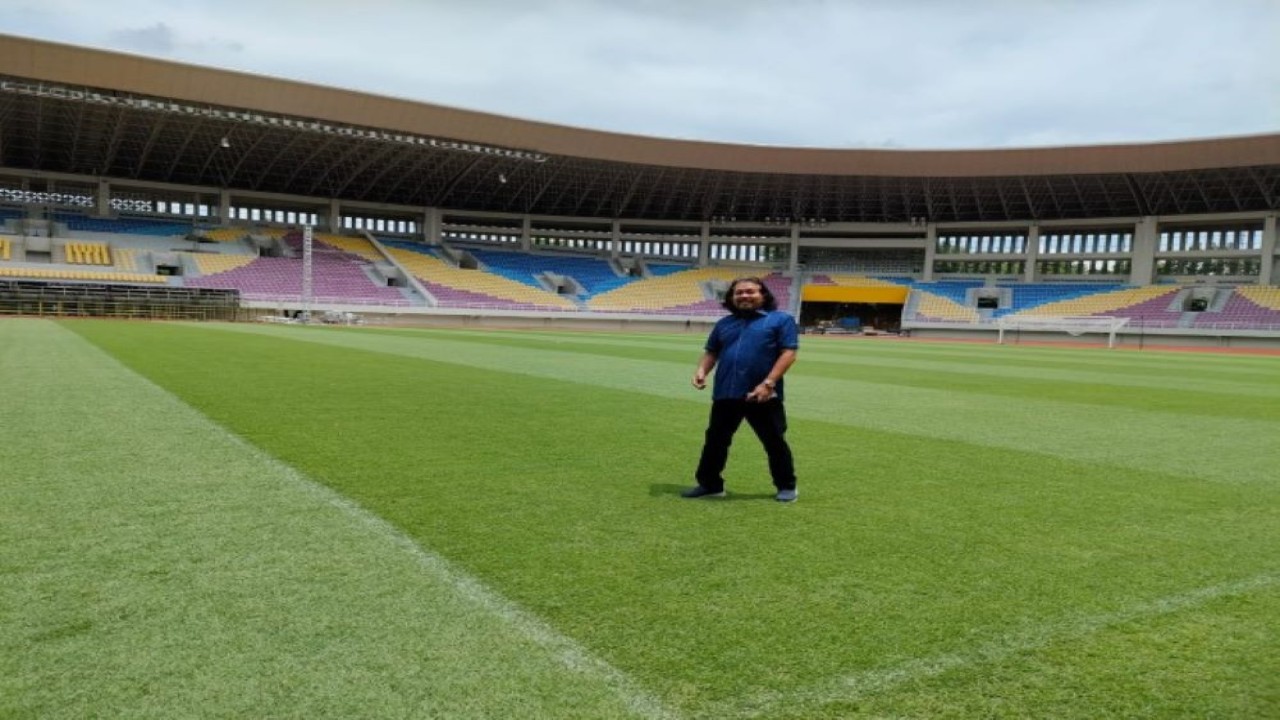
{"x":563,"y":494}
{"x":847,"y":695}
{"x":155,"y":566}
{"x":1125,"y":436}
{"x":610,"y":339}
{"x":1090,"y":369}
{"x":1063,"y":355}
{"x":1136,"y":374}
{"x":1245,"y":368}
{"x":990,"y":375}
{"x":1164,"y":393}
{"x":990,"y":363}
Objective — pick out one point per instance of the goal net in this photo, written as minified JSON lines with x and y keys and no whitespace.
{"x":1073,"y":326}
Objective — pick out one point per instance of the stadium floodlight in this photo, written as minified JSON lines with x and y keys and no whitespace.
{"x":306,"y":273}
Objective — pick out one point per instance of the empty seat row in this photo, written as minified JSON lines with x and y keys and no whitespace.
{"x":87,"y":253}
{"x":85,"y":275}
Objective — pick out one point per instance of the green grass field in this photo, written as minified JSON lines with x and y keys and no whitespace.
{"x":267,"y":521}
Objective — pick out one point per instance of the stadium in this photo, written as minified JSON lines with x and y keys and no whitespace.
{"x":436,"y":213}
{"x":408,"y":436}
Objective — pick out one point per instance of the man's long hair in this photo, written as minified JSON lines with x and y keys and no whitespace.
{"x":770,"y":304}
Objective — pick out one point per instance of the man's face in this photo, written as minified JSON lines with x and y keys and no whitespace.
{"x":747,"y":296}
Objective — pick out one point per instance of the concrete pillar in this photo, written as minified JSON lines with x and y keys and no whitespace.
{"x":1032,"y":254}
{"x":224,"y":206}
{"x":526,"y":227}
{"x":615,"y":239}
{"x":704,"y":244}
{"x":335,"y":217}
{"x":103,"y":198}
{"x":930,"y":251}
{"x":1146,"y":237}
{"x":431,"y":222}
{"x":793,"y":258}
{"x":1268,"y":274}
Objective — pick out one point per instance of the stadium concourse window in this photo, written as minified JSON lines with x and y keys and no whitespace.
{"x":185,"y":208}
{"x":979,"y":267}
{"x":748,"y":252}
{"x":1209,"y":267}
{"x":278,"y":216}
{"x":392,"y":226}
{"x":671,"y":248}
{"x":1175,"y":240}
{"x":1119,"y":267}
{"x":570,"y":243}
{"x":274,"y":215}
{"x":981,"y":244}
{"x":872,"y":262}
{"x":1086,"y":242}
{"x":142,"y":204}
{"x":480,"y":237}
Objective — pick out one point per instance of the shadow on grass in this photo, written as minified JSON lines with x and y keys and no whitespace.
{"x":660,"y":489}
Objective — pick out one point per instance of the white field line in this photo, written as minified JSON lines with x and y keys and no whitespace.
{"x":570,"y":654}
{"x":869,"y":682}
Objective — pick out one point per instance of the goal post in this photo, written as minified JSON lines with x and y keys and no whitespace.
{"x":1073,"y":326}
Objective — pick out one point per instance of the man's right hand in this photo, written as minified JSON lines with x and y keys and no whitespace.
{"x":700,"y":380}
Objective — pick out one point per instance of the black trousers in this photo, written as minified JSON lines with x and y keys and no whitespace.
{"x":767,"y":419}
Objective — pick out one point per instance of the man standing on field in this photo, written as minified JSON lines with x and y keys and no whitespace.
{"x":750,"y":349}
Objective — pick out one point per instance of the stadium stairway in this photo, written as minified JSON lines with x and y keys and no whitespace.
{"x":1247,"y":306}
{"x":457,"y":287}
{"x":686,"y":291}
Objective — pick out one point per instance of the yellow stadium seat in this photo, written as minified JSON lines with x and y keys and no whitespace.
{"x":679,"y":288}
{"x":434,"y":270}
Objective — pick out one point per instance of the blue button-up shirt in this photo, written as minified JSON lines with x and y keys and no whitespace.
{"x":746,"y":349}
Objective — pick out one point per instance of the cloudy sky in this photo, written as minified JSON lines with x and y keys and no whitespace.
{"x":827,"y":73}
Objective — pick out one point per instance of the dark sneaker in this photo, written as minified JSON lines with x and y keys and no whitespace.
{"x":699,"y":491}
{"x":786,"y":495}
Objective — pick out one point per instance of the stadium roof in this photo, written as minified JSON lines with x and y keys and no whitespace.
{"x":69,"y":109}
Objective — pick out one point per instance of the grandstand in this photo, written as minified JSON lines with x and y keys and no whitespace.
{"x":1247,"y":307}
{"x":456,"y":287}
{"x":591,"y":275}
{"x":341,"y":273}
{"x":452,"y":213}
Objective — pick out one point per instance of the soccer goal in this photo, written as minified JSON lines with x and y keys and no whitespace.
{"x":1073,"y":326}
